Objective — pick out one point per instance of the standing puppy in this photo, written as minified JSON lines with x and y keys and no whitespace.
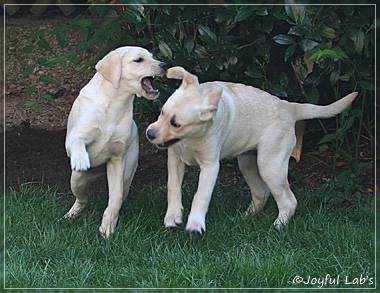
{"x":101,"y":129}
{"x":201,"y":124}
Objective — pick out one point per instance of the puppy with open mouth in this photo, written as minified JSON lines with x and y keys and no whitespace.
{"x":200,"y":124}
{"x":101,"y":130}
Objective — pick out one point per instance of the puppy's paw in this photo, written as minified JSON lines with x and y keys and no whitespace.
{"x":173,"y":219}
{"x":251,"y":209}
{"x":80,"y":161}
{"x":281,"y":222}
{"x":107,"y":228}
{"x":75,"y":209}
{"x":196,"y":225}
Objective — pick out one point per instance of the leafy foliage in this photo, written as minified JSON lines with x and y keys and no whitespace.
{"x":302,"y":53}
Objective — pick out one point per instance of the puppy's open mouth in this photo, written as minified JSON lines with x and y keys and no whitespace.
{"x":167,"y":144}
{"x":147,"y":85}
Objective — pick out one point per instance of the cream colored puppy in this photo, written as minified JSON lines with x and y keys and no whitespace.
{"x":101,"y":129}
{"x":201,"y":124}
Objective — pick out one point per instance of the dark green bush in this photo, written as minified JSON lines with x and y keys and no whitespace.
{"x":301,"y":53}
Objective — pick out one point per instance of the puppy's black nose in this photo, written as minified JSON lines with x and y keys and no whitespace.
{"x":163,"y":66}
{"x":150,"y":134}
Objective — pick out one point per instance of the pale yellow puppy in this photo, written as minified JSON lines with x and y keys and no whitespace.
{"x":201,"y":124}
{"x":101,"y":130}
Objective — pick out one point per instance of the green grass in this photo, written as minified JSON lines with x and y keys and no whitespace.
{"x":331,"y":234}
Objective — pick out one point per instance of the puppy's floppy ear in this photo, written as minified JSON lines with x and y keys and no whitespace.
{"x":210,"y":105}
{"x":110,"y":68}
{"x":178,"y":72}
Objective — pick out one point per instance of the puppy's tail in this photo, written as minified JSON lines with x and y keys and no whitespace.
{"x":310,"y":111}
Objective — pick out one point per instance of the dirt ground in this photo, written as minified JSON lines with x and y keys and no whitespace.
{"x":34,"y":140}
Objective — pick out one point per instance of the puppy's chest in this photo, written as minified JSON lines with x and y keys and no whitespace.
{"x":191,"y":155}
{"x":188,"y":158}
{"x":109,"y":142}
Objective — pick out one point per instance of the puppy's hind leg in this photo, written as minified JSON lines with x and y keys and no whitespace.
{"x":80,"y":182}
{"x":259,"y":190}
{"x":115,"y":178}
{"x":273,"y":167}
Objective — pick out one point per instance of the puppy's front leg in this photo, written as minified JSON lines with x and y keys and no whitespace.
{"x":115,"y":169}
{"x":207,"y":178}
{"x":176,"y":171}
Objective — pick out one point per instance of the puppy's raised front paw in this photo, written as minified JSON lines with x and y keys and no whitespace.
{"x":80,"y":161}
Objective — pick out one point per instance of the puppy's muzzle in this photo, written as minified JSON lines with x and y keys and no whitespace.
{"x":152,"y":136}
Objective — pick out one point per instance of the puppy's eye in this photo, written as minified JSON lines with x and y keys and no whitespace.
{"x":174,"y":123}
{"x":138,"y":60}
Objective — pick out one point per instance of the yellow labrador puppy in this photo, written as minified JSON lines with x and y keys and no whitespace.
{"x":201,"y":124}
{"x":101,"y":129}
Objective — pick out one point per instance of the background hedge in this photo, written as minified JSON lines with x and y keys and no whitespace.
{"x":304,"y":53}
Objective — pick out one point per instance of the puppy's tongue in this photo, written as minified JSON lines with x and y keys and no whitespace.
{"x":146,"y":84}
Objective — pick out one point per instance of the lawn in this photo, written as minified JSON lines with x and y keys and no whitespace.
{"x":330,"y":242}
